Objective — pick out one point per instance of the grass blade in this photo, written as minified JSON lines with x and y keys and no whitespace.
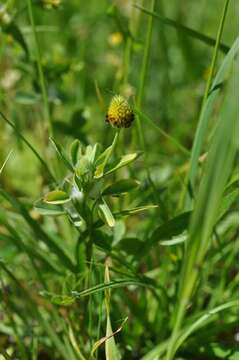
{"x":185,"y":29}
{"x":44,"y":164}
{"x":111,"y":285}
{"x":218,"y":169}
{"x":162,"y":132}
{"x":5,"y":161}
{"x":40,"y":69}
{"x":203,"y":120}
{"x":39,"y":232}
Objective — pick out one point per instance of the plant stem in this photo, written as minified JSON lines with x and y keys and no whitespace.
{"x":142,"y":81}
{"x":143,"y":73}
{"x":20,"y":136}
{"x":40,"y":69}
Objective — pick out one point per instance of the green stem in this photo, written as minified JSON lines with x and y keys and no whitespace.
{"x":127,"y":54}
{"x":40,"y":69}
{"x":20,"y":136}
{"x":142,"y":81}
{"x":143,"y":73}
{"x":197,"y":145}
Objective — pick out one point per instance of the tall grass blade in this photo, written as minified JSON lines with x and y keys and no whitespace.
{"x":218,"y":169}
{"x":206,"y":107}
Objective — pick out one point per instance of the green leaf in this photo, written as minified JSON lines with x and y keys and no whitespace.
{"x":234,"y":178}
{"x":56,"y":197}
{"x":48,"y":209}
{"x":219,"y":165}
{"x":131,"y":246}
{"x":102,"y":240}
{"x":105,"y":338}
{"x":103,"y":159}
{"x":135,"y":210}
{"x":172,"y":228}
{"x":74,"y":151}
{"x":83,"y":167}
{"x":111,"y":351}
{"x":227,"y":201}
{"x":175,"y":241}
{"x":119,"y":231}
{"x":206,"y":112}
{"x":91,"y":152}
{"x":14,"y":30}
{"x":106,"y":214}
{"x":63,"y":156}
{"x":111,"y":285}
{"x":125,"y":160}
{"x":121,"y":187}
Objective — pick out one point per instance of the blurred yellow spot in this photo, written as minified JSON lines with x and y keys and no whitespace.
{"x":173,"y":257}
{"x":115,"y":39}
{"x":51,"y":3}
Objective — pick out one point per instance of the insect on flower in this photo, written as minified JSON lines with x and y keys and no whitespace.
{"x":120,"y":114}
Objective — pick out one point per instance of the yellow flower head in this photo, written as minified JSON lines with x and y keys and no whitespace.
{"x":120,"y":114}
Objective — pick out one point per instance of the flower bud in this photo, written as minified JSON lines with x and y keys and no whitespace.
{"x":120,"y":114}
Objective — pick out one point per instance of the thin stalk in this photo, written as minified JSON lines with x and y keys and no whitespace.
{"x":20,"y":136}
{"x":40,"y":69}
{"x":197,"y":144}
{"x":143,"y":71}
{"x":127,"y":55}
{"x":142,"y":82}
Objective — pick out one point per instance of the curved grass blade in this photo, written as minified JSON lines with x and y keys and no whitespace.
{"x":30,"y":146}
{"x":40,"y":233}
{"x":105,"y":338}
{"x":203,"y":120}
{"x":206,"y":318}
{"x":111,"y":285}
{"x":203,"y":320}
{"x":5,"y":161}
{"x":62,"y":155}
{"x":218,"y":168}
{"x":162,"y":132}
{"x":13,"y":30}
{"x":185,"y":29}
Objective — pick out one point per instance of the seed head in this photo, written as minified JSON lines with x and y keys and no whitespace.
{"x":120,"y":114}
